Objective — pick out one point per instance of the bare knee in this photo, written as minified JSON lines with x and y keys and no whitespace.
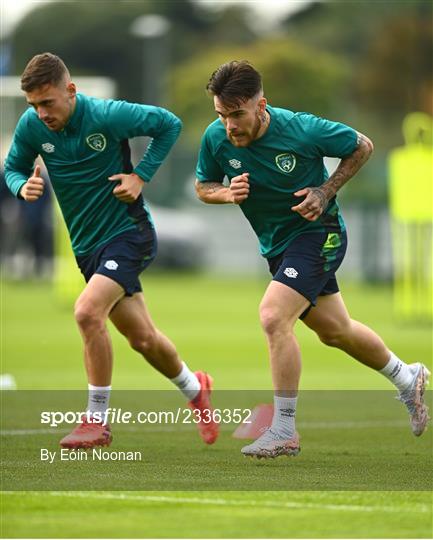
{"x":272,"y":321}
{"x":144,"y":342}
{"x":88,"y":319}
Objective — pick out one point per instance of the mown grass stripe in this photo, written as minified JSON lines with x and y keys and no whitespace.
{"x":218,"y":501}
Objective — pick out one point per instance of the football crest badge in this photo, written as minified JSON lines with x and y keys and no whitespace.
{"x":286,"y":162}
{"x":97,"y":142}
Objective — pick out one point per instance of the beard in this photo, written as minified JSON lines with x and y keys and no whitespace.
{"x":245,"y":138}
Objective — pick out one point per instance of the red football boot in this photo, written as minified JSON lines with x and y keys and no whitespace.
{"x":88,"y":435}
{"x":207,"y":427}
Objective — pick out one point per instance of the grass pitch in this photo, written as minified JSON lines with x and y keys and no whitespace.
{"x":347,"y":481}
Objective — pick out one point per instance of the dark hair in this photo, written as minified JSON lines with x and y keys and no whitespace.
{"x":45,"y":68}
{"x":235,"y":82}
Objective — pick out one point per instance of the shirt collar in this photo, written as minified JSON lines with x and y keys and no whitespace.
{"x":74,"y":120}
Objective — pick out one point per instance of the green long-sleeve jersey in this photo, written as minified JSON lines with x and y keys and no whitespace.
{"x":80,"y":158}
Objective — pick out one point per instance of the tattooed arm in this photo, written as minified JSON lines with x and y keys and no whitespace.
{"x":317,"y":198}
{"x":217,"y":193}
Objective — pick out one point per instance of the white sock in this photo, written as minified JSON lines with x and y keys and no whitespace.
{"x":283,"y":421}
{"x":187,"y":382}
{"x":397,"y":372}
{"x":99,"y":396}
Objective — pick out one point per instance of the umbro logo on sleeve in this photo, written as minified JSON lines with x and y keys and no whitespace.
{"x":48,"y":147}
{"x":235,"y":163}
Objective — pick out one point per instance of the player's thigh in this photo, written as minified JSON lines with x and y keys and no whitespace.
{"x":131,"y":317}
{"x":329,"y":316}
{"x":99,"y":296}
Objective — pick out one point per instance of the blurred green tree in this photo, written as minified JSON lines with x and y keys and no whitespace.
{"x":389,"y":44}
{"x":395,"y":75}
{"x":94,"y":37}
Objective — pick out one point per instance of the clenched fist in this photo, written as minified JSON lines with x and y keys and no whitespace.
{"x":239,"y":188}
{"x":128,"y":188}
{"x":34,"y":187}
{"x":314,"y":204}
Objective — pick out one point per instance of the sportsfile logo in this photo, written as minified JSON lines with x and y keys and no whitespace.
{"x":179,"y":415}
{"x":291,"y":273}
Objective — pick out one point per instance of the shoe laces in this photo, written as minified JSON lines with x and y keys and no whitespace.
{"x":269,"y":436}
{"x":409,"y":402}
{"x":408,"y":397}
{"x":201,"y":401}
{"x":86,"y":425}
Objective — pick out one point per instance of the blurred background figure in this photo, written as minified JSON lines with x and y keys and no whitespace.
{"x":26,"y":235}
{"x":411,"y":205}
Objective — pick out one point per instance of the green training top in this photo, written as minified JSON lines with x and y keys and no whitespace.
{"x":287,"y":158}
{"x":80,"y":158}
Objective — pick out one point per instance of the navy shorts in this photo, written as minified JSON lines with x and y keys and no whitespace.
{"x":122,"y":259}
{"x":309,"y":263}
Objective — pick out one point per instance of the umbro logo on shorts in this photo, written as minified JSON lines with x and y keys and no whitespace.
{"x":111,"y":265}
{"x":291,"y":273}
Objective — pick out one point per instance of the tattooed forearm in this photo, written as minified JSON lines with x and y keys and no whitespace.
{"x":320,"y":193}
{"x":209,"y":187}
{"x":212,"y":192}
{"x":348,"y":167}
